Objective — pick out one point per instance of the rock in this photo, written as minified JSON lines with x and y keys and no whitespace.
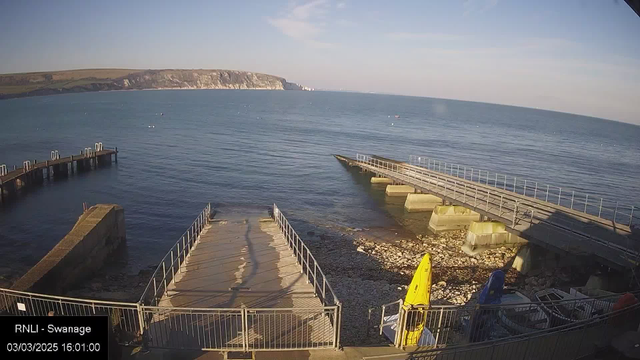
{"x":442,"y":283}
{"x":361,"y":249}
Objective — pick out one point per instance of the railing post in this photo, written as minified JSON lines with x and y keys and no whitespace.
{"x":500,"y":212}
{"x":464,"y":198}
{"x":178,"y":247}
{"x":439,"y":325}
{"x":615,"y":213}
{"x":600,"y":209}
{"x":173,"y":273}
{"x":139,"y":309}
{"x":631,"y":216}
{"x":487,"y":207}
{"x":455,"y":185}
{"x":164,"y":277}
{"x":535,"y":191}
{"x":515,"y":211}
{"x":155,"y":289}
{"x":475,"y":200}
{"x":547,"y":198}
{"x":525,"y":188}
{"x":338,"y":324}
{"x":245,"y":329}
{"x":586,"y":202}
{"x":559,"y":195}
{"x":315,"y":278}
{"x":324,"y":290}
{"x":572,"y":195}
{"x":515,"y":179}
{"x":308,"y":266}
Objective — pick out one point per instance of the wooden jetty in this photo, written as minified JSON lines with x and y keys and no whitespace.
{"x":33,"y":173}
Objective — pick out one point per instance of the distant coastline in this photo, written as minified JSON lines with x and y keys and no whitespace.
{"x":92,"y":80}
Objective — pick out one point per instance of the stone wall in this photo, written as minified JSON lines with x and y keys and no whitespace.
{"x":83,"y":251}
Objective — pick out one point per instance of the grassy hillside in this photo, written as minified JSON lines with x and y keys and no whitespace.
{"x":27,"y":82}
{"x":70,"y":81}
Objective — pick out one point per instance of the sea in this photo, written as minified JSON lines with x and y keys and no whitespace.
{"x":181,"y":149}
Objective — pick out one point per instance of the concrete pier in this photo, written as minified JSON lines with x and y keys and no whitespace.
{"x":446,"y":218}
{"x":489,"y":234}
{"x":399,"y":190}
{"x":421,"y":202}
{"x":98,"y":231}
{"x":33,"y":173}
{"x":381,"y":180}
{"x":241,"y":260}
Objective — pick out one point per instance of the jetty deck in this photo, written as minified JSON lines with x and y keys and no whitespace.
{"x":241,"y":280}
{"x":554,"y":226}
{"x":241,"y":259}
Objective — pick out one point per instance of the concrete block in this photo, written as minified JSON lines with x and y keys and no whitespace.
{"x":491,"y":234}
{"x":421,"y":202}
{"x":83,"y":251}
{"x":446,"y":218}
{"x":399,"y":190}
{"x":381,"y":180}
{"x":523,"y":261}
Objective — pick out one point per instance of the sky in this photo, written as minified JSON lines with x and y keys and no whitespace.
{"x":577,"y":56}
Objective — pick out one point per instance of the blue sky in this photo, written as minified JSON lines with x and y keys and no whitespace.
{"x":578,"y":56}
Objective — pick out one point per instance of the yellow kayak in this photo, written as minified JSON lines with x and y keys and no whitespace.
{"x":418,"y":293}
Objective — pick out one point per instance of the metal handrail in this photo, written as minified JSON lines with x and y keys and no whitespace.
{"x":64,"y":298}
{"x":512,"y":212}
{"x":300,"y":248}
{"x":572,"y":200}
{"x":445,"y":320}
{"x":167,"y":265}
{"x":460,"y":349}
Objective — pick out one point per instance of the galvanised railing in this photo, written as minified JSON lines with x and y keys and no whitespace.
{"x":172,"y":262}
{"x":582,"y":202}
{"x":309,"y":266}
{"x":460,"y":324}
{"x":515,"y":211}
{"x":461,"y":332}
{"x":125,"y":318}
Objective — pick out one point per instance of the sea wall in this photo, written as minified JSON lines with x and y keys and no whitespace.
{"x":84,"y":250}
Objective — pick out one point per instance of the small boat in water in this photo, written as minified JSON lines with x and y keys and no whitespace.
{"x":518,"y":315}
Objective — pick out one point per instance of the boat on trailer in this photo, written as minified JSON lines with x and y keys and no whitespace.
{"x":564,"y":308}
{"x":519,"y":315}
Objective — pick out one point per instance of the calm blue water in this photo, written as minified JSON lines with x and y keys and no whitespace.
{"x":260,"y":147}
